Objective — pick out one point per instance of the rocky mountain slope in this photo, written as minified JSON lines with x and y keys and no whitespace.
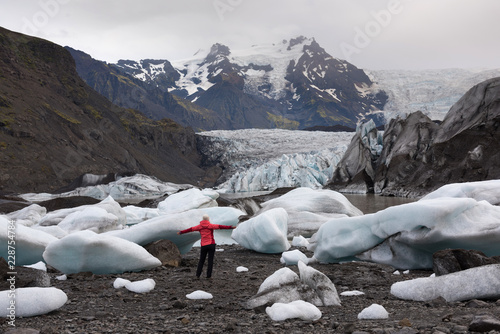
{"x":418,"y":155}
{"x":54,"y":127}
{"x":292,"y":84}
{"x":150,"y":98}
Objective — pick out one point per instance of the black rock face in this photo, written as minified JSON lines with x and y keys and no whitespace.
{"x":420,"y":155}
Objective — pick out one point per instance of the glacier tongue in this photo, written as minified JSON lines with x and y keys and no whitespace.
{"x":260,"y":159}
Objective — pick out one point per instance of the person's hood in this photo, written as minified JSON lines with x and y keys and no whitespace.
{"x":205,"y":223}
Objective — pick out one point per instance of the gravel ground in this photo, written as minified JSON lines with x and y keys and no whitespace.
{"x":94,"y":306}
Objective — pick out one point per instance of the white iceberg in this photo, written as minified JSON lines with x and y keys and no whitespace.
{"x":188,"y":200}
{"x":136,"y":214}
{"x":27,"y":243}
{"x":407,"y":235}
{"x":296,"y":309}
{"x":265,"y":233}
{"x":29,"y":215}
{"x":480,"y":191}
{"x":29,"y":302}
{"x":91,"y":218}
{"x":108,"y":204}
{"x":475,"y":283}
{"x":309,"y":208}
{"x":167,"y":226}
{"x":293,"y":257}
{"x":98,"y":253}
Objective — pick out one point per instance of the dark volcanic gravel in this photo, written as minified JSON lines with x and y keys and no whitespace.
{"x":94,"y":306}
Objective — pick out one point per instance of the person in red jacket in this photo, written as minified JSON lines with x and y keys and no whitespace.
{"x":206,"y":230}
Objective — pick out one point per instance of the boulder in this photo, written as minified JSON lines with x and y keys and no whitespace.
{"x":166,"y":251}
{"x":484,"y":323}
{"x":452,"y":260}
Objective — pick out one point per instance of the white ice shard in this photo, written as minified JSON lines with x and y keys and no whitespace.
{"x":167,"y":226}
{"x":98,"y":253}
{"x":26,"y":244}
{"x":29,"y":302}
{"x":475,"y":283}
{"x":264,"y":233}
{"x":309,"y":208}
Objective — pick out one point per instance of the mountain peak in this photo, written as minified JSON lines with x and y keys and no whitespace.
{"x":299,"y":40}
{"x":217,"y":51}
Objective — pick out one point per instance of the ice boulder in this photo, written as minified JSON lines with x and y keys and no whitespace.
{"x":142,"y":286}
{"x":320,"y":283}
{"x":120,"y":283}
{"x":91,"y":218}
{"x":98,"y":253}
{"x":453,"y":287}
{"x":407,"y":235}
{"x":300,"y":241}
{"x":31,"y":302}
{"x":29,"y":215}
{"x":108,"y":204}
{"x":285,"y":286}
{"x":188,"y":200}
{"x":293,"y":257}
{"x":374,"y":311}
{"x":29,"y":243}
{"x":309,"y":208}
{"x":167,"y":226}
{"x":199,"y":294}
{"x":265,"y":233}
{"x":296,"y":309}
{"x":481,"y":190}
{"x":136,"y":215}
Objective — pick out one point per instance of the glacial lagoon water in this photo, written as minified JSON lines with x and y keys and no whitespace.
{"x":371,"y":203}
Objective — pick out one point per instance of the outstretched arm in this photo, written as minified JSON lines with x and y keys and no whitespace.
{"x":226,"y":227}
{"x":185,"y":231}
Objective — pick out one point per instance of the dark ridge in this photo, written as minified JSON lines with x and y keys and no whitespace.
{"x":331,"y":128}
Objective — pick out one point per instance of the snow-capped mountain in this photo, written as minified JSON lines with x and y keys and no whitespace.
{"x":291,"y":84}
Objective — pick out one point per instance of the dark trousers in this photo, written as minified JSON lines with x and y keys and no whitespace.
{"x":210,"y":250}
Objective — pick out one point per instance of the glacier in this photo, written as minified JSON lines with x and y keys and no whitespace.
{"x":262,"y":160}
{"x":431,"y":91}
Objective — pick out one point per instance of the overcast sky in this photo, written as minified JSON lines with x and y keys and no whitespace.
{"x":371,"y":34}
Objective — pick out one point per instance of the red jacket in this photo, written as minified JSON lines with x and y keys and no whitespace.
{"x":206,"y":230}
